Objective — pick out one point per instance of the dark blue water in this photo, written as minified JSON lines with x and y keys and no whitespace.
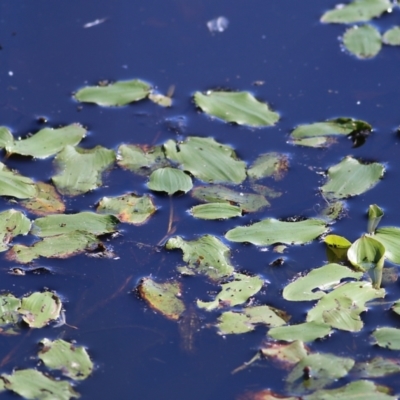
{"x":46,"y":55}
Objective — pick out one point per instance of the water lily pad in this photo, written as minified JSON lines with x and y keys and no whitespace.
{"x":270,"y":231}
{"x":306,"y":332}
{"x":390,"y":238}
{"x":356,"y":11}
{"x":387,"y":337}
{"x":46,"y":142}
{"x":73,"y":361}
{"x":375,"y":215}
{"x":163,"y":297}
{"x":392,"y":36}
{"x":81,"y":169}
{"x":9,"y":306}
{"x":232,"y":322}
{"x":216,"y":211}
{"x":207,"y":160}
{"x":32,"y":384}
{"x":128,"y":208}
{"x":376,"y":368}
{"x":12,"y":223}
{"x":114,"y":94}
{"x":238,"y":107}
{"x":350,"y":178}
{"x":273,"y":165}
{"x":288,"y":354}
{"x":170,"y":180}
{"x":265,"y":190}
{"x":206,"y":255}
{"x":15,"y":185}
{"x":248,"y":202}
{"x":39,"y":309}
{"x":363,"y":41}
{"x":235,"y":292}
{"x":58,"y":224}
{"x":317,"y":282}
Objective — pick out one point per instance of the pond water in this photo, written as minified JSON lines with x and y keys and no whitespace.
{"x":47,"y":54}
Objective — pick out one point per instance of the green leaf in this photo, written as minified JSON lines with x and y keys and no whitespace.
{"x":9,"y":306}
{"x":32,"y":384}
{"x":6,"y":137}
{"x":270,"y":231}
{"x":15,"y":185}
{"x":232,"y":322}
{"x":350,"y":178}
{"x":163,"y":297}
{"x":387,"y":337}
{"x":272,"y":164}
{"x":324,"y":278}
{"x":12,"y":223}
{"x":392,"y":36}
{"x":357,"y":11}
{"x":375,"y":215}
{"x":216,"y":211}
{"x":238,"y":107}
{"x":396,"y":307}
{"x":73,"y":361}
{"x":114,"y":94}
{"x":363,"y":41}
{"x":81,"y":169}
{"x":306,"y":332}
{"x":235,"y":292}
{"x":206,"y":255}
{"x":59,"y":224}
{"x":248,"y":202}
{"x":288,"y":354}
{"x":39,"y":309}
{"x":390,"y":238}
{"x":128,"y":208}
{"x":376,"y":368}
{"x":160,"y":99}
{"x":47,"y":141}
{"x":170,"y":180}
{"x":316,"y":142}
{"x":337,"y":247}
{"x":207,"y":160}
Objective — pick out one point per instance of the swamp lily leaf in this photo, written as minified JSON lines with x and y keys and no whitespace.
{"x":81,"y":169}
{"x":288,"y":354}
{"x":206,"y":255}
{"x":9,"y":306}
{"x":128,"y":208}
{"x":392,"y":36}
{"x":396,"y":307}
{"x":375,"y":215}
{"x":163,"y":297}
{"x":39,"y":309}
{"x":337,"y":247}
{"x":350,"y":177}
{"x":356,"y":11}
{"x":216,"y":211}
{"x":73,"y":361}
{"x":15,"y":185}
{"x":306,"y":332}
{"x":324,"y":278}
{"x":115,"y":94}
{"x":238,"y":107}
{"x":207,"y":159}
{"x":387,"y":337}
{"x":272,"y":164}
{"x":270,"y":231}
{"x":390,"y":238}
{"x":316,"y":142}
{"x":363,"y":41}
{"x":376,"y":368}
{"x":170,"y":180}
{"x":235,"y":292}
{"x":232,"y":322}
{"x":12,"y":223}
{"x":32,"y":384}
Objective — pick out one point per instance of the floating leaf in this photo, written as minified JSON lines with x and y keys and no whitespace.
{"x":392,"y":36}
{"x":387,"y":337}
{"x":9,"y":306}
{"x":316,"y":142}
{"x":15,"y":185}
{"x":235,"y":292}
{"x":81,"y":169}
{"x":39,"y":309}
{"x":266,"y":165}
{"x":32,"y":384}
{"x":231,"y":322}
{"x":163,"y":297}
{"x":170,"y":180}
{"x":216,"y":211}
{"x":375,"y":215}
{"x":115,"y":94}
{"x":357,"y":11}
{"x":128,"y":208}
{"x":350,"y":178}
{"x":270,"y":231}
{"x":324,"y":279}
{"x":160,"y":99}
{"x":238,"y":107}
{"x":376,"y":368}
{"x":207,"y":160}
{"x":390,"y":238}
{"x":12,"y":223}
{"x":73,"y":361}
{"x":248,"y":202}
{"x":363,"y":41}
{"x":306,"y":332}
{"x":206,"y":255}
{"x":396,"y":307}
{"x":290,"y":353}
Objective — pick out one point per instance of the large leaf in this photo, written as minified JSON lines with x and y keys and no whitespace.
{"x":390,"y":238}
{"x":357,"y":11}
{"x":12,"y":223}
{"x":239,"y":107}
{"x":81,"y":169}
{"x":306,"y":332}
{"x":170,"y":180}
{"x":114,"y":94}
{"x":15,"y":185}
{"x":350,"y":178}
{"x":387,"y":337}
{"x":269,"y":165}
{"x":207,"y":159}
{"x":363,"y":41}
{"x":392,"y":36}
{"x":270,"y":231}
{"x":216,"y":211}
{"x":206,"y":255}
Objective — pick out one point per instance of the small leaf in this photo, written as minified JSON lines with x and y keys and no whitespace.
{"x":15,"y":185}
{"x":266,"y":165}
{"x":239,"y":107}
{"x":216,"y":211}
{"x":306,"y":332}
{"x":390,"y":238}
{"x":392,"y":36}
{"x":316,"y":142}
{"x":9,"y":306}
{"x":170,"y":180}
{"x":364,"y":41}
{"x":376,"y":368}
{"x":375,"y":215}
{"x":336,"y":241}
{"x":289,"y":354}
{"x":387,"y":337}
{"x":12,"y":223}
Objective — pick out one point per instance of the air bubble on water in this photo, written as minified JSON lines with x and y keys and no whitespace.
{"x":219,"y":24}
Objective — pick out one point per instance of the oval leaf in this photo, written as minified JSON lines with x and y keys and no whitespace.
{"x":216,"y":211}
{"x":306,"y":332}
{"x":364,"y":41}
{"x":392,"y":36}
{"x":12,"y":223}
{"x":387,"y":337}
{"x":170,"y":180}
